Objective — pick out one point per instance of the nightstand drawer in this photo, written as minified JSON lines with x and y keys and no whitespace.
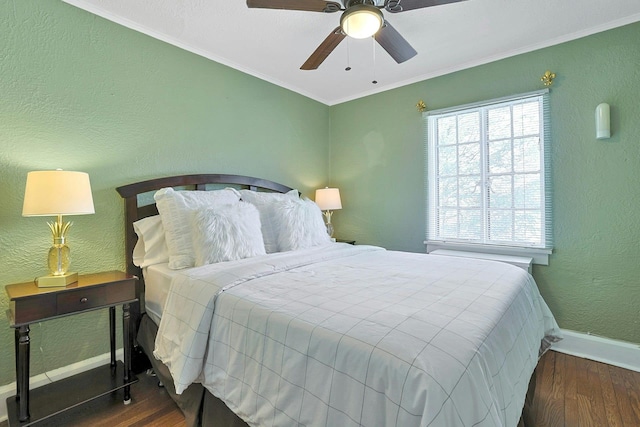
{"x":81,"y":299}
{"x":29,"y":303}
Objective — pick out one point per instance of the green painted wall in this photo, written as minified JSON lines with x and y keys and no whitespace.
{"x":82,"y":93}
{"x":79,"y":92}
{"x":593,"y":281}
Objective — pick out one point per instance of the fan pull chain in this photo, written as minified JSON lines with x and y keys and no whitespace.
{"x":348,"y":61}
{"x":374,"y":81}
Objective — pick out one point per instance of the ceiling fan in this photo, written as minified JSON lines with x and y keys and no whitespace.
{"x":360,"y":19}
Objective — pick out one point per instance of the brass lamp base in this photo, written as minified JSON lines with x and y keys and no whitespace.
{"x":56,"y":281}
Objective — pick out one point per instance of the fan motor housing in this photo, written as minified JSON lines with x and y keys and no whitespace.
{"x":350,"y":3}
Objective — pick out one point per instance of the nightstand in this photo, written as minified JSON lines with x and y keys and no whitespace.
{"x":29,"y":303}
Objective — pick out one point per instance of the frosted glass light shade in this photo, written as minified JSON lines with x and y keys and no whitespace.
{"x":58,"y":192}
{"x":603,"y":121}
{"x":328,"y":199}
{"x":361,"y":21}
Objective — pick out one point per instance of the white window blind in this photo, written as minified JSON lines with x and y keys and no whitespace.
{"x":488,"y":173}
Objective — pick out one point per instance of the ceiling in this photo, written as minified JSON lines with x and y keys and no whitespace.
{"x":273,"y":44}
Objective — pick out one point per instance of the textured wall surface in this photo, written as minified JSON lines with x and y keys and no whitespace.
{"x":81,"y":93}
{"x":78,"y":92}
{"x":593,"y":281}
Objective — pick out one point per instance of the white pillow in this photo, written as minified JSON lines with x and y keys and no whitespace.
{"x":151,"y":247}
{"x":300,"y":225}
{"x":264,"y":202}
{"x":226,"y":233}
{"x":176,"y":209}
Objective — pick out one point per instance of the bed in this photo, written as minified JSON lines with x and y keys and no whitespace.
{"x":311,"y":332}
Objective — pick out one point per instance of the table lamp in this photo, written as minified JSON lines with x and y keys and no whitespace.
{"x":57,"y":193}
{"x":328,"y":200}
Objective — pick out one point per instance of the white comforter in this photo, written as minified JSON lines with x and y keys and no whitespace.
{"x":343,"y":335}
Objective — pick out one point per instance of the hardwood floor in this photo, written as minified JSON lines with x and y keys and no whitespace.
{"x":570,"y":392}
{"x":150,"y":406}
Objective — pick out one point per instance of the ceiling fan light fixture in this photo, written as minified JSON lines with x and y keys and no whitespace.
{"x":361,"y":21}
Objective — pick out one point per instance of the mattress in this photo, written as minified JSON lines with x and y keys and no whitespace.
{"x":358,"y":336}
{"x":157,"y":280}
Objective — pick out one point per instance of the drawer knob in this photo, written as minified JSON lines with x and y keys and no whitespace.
{"x":84,"y":299}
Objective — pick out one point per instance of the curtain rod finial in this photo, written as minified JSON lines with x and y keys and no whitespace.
{"x":547,"y":78}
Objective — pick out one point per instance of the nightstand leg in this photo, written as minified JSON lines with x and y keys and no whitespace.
{"x":112,"y":335}
{"x":16,"y":352}
{"x":126,"y":338}
{"x":23,"y":372}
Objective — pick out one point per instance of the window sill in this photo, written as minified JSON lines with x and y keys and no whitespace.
{"x":539,"y":256}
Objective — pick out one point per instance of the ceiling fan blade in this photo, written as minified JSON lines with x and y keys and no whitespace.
{"x":395,"y":45}
{"x":396,"y":6}
{"x":306,"y":5}
{"x":324,"y":50}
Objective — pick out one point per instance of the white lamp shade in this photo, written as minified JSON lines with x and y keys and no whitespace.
{"x":603,"y":121}
{"x":58,"y":192}
{"x":328,"y":199}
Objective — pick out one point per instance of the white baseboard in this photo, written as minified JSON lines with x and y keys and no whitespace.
{"x":9,"y":390}
{"x":613,"y":352}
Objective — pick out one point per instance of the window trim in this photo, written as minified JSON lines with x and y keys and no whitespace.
{"x":448,"y":110}
{"x":540,"y":255}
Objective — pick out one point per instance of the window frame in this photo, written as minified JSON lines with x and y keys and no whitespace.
{"x":540,"y":254}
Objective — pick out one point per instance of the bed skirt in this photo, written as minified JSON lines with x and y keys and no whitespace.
{"x":201,"y":408}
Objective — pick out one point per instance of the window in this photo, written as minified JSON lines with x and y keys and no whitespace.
{"x":487,"y":176}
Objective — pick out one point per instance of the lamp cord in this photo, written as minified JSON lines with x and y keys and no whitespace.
{"x":44,"y":359}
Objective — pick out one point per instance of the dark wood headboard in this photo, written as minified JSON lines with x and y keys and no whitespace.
{"x":137,"y":207}
{"x":134,"y":211}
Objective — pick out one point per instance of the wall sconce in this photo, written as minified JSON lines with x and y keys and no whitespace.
{"x":603,"y":121}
